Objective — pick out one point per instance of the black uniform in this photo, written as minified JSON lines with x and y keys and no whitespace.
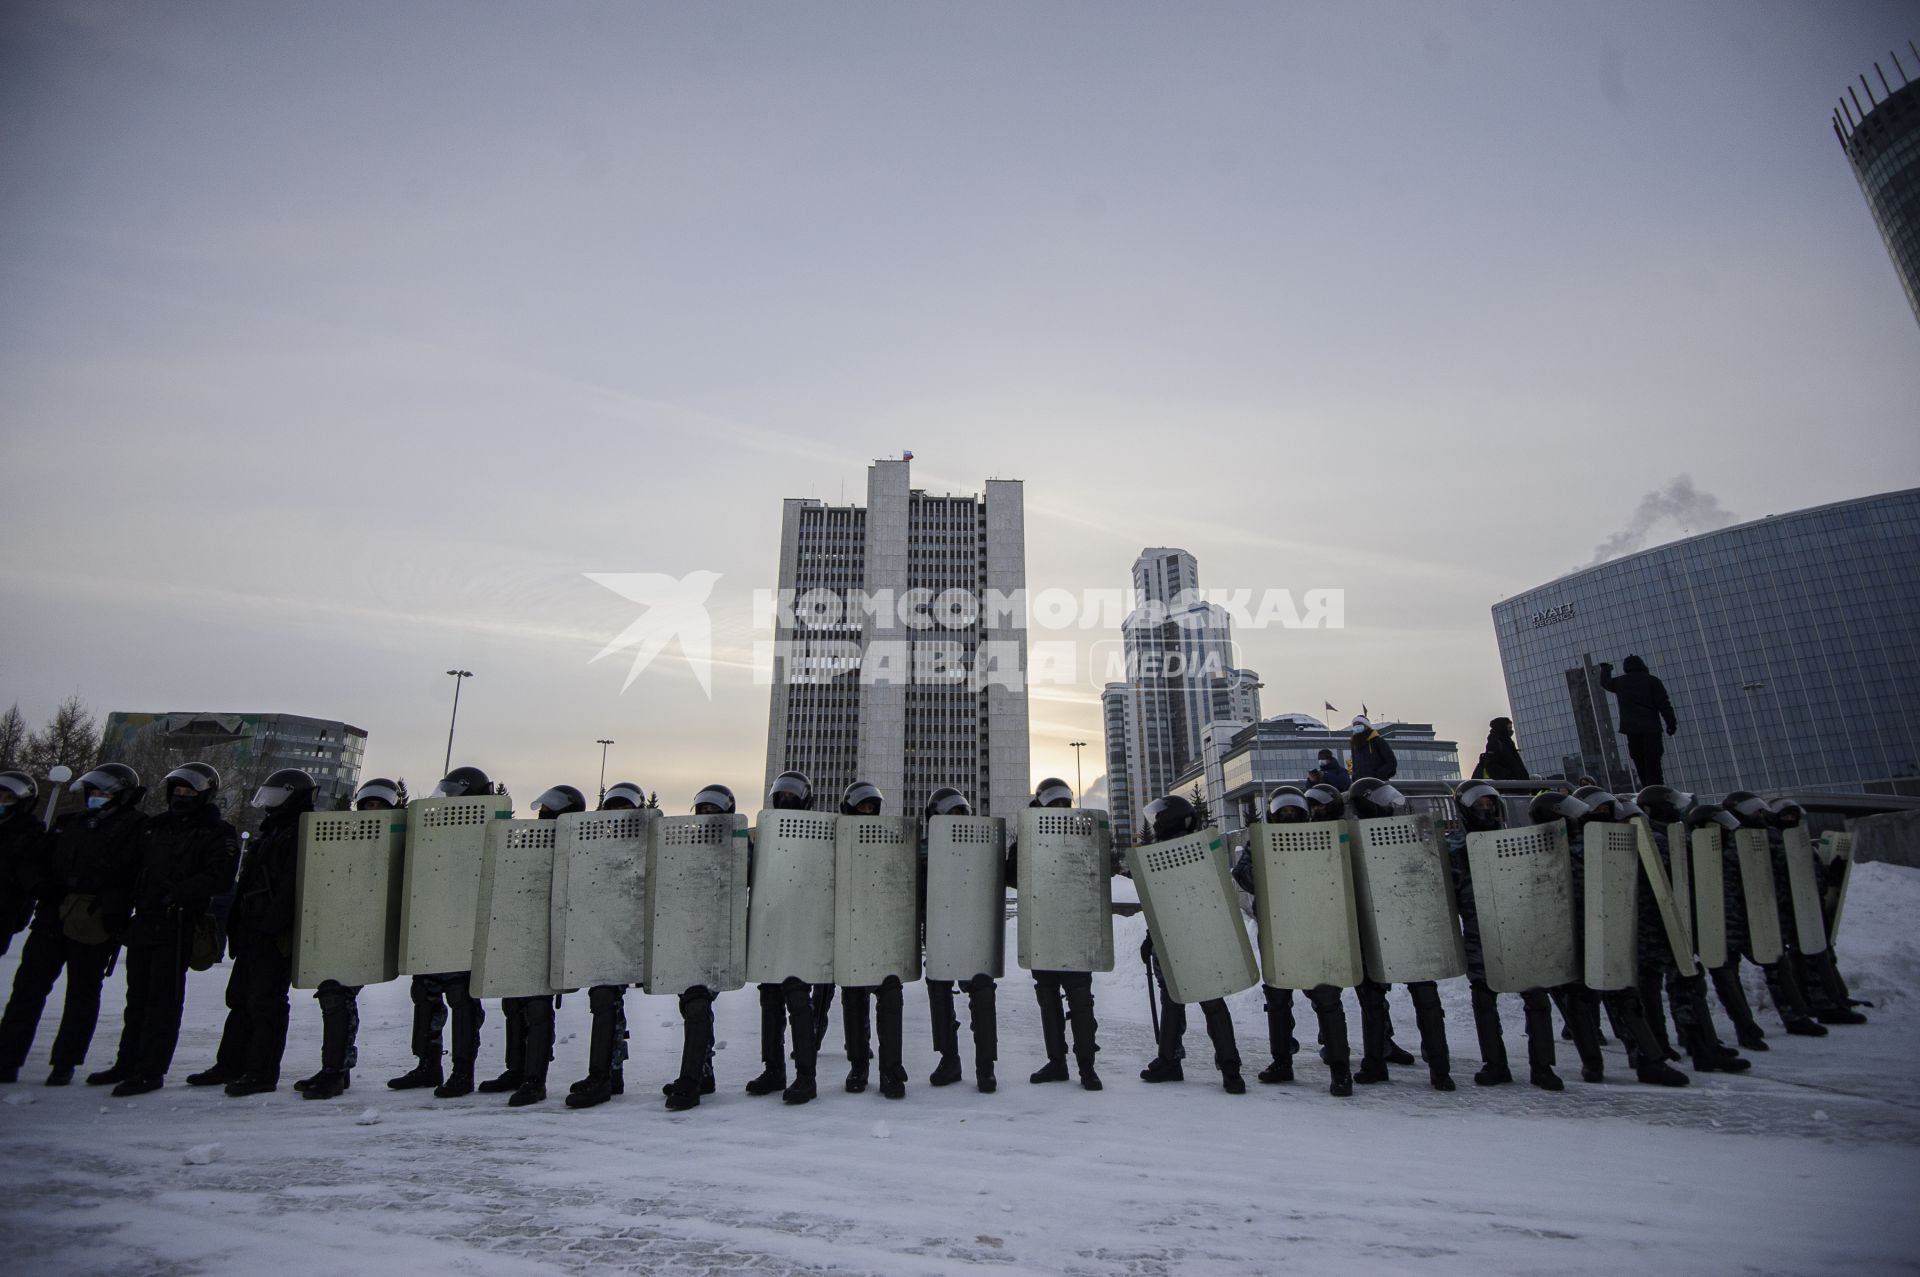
{"x":1538,"y":1009}
{"x":1327,"y":1008}
{"x":1644,"y":709}
{"x":186,"y":859}
{"x":1795,"y":1014}
{"x":1065,"y":997}
{"x":78,"y":883}
{"x":1692,"y":1020}
{"x":1623,"y":1005}
{"x":260,"y":937}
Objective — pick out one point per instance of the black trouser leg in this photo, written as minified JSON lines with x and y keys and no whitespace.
{"x":1486,"y":1026}
{"x":696,"y":1048}
{"x":773,"y":1029}
{"x":1173,"y":1019}
{"x":167,"y":999}
{"x":140,"y":964}
{"x":267,"y":989}
{"x":607,"y":1005}
{"x":41,"y":958}
{"x":1226,"y":1051}
{"x":1078,"y":988}
{"x":1582,"y":1009}
{"x":429,"y":1018}
{"x":539,"y":1049}
{"x":1279,"y":1023}
{"x":1824,"y":970}
{"x":1374,"y":1026}
{"x":1053,"y":1020}
{"x":806,"y":1043}
{"x":1540,"y":1036}
{"x":946,"y":1026}
{"x":236,"y":1035}
{"x":1652,"y":981}
{"x":888,"y":999}
{"x":856,"y":1012}
{"x":1646,"y":749}
{"x":467,"y":1015}
{"x":1643,"y":1051}
{"x":1431,"y":1018}
{"x":1332,"y":1016}
{"x":86,"y":969}
{"x":1726,"y":984}
{"x":514,"y":1020}
{"x":822,"y":1013}
{"x":1785,"y":991}
{"x":339,"y":1025}
{"x":984,"y":1019}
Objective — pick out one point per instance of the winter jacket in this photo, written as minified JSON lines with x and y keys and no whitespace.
{"x":185,"y":861}
{"x":1642,"y":699}
{"x":1333,"y":772}
{"x":96,"y":855}
{"x":1373,"y":759}
{"x":263,"y":901}
{"x":23,"y":868}
{"x":1502,"y":760}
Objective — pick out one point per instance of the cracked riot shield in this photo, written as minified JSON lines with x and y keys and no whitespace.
{"x":1193,"y":915}
{"x":512,"y":955}
{"x":1680,"y":871}
{"x":1611,"y":928}
{"x":1809,"y":919}
{"x":1709,"y":896}
{"x":347,"y":897}
{"x":1065,"y":862}
{"x":696,"y":904}
{"x":966,"y":897}
{"x":790,"y":910}
{"x":1303,"y":899}
{"x":876,"y":906}
{"x":446,"y":843}
{"x":1523,"y":896}
{"x":1671,"y":923}
{"x":598,"y":929}
{"x":1836,"y":853}
{"x":1756,"y":887}
{"x":1403,"y":887}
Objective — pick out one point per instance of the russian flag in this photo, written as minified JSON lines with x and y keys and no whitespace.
{"x":906,"y":456}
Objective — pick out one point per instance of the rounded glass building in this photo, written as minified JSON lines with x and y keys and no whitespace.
{"x":1882,"y":140}
{"x":1789,"y":646}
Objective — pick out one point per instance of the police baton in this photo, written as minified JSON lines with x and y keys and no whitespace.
{"x":57,"y":776}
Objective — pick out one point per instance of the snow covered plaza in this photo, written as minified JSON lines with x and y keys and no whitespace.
{"x":1810,"y":1163}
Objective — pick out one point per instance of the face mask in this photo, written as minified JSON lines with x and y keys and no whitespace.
{"x":97,"y":802}
{"x":6,"y":810}
{"x":181,"y":806}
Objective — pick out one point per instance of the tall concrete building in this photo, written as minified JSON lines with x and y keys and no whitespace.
{"x":1113,"y":714}
{"x":1181,"y":679}
{"x":1882,"y":142}
{"x":900,"y":660}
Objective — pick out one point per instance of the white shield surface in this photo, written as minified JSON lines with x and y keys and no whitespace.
{"x":1403,"y":887}
{"x":1193,"y":915}
{"x":600,"y":898}
{"x":511,"y":954}
{"x":1809,"y":919}
{"x":876,"y":906}
{"x":696,"y":904}
{"x":1680,"y":866}
{"x":347,"y":897}
{"x":1678,"y":940}
{"x":446,"y":842}
{"x":1611,"y":863}
{"x":790,"y":911}
{"x":1066,"y":890}
{"x":966,"y":897}
{"x":1523,"y":896}
{"x":1756,"y":887}
{"x":1709,"y":897}
{"x":1303,"y":899}
{"x":1836,"y":853}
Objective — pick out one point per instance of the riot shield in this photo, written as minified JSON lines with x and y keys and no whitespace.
{"x":446,"y":842}
{"x":966,"y":897}
{"x":1303,"y":900}
{"x":600,"y":898}
{"x":1403,"y":890}
{"x":347,"y":897}
{"x":696,"y":904}
{"x":1193,"y":915}
{"x":1756,"y":887}
{"x":876,"y":903}
{"x":1670,"y":917}
{"x":1523,"y":897}
{"x":1611,"y":864}
{"x":1809,"y":920}
{"x":511,"y":954}
{"x":790,"y":911}
{"x":1709,"y":896}
{"x":1680,"y":866}
{"x":1066,"y":890}
{"x":1836,"y":852}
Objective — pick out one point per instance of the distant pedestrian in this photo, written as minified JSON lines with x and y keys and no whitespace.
{"x":1332,"y":772}
{"x":1502,"y":760}
{"x":1644,"y":707}
{"x":1372,"y":756}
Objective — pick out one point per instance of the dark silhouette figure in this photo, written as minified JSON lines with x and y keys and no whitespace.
{"x":1644,"y":708}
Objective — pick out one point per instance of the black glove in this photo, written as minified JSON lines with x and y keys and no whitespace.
{"x":1146,"y":948}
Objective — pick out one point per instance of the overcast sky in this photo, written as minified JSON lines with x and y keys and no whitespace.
{"x":338,"y":341}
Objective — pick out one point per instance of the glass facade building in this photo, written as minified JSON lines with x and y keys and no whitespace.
{"x":244,"y":748}
{"x":1883,"y":146}
{"x":1790,"y":647}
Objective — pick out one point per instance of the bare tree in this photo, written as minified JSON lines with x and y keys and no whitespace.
{"x":13,"y":739}
{"x":71,"y":738}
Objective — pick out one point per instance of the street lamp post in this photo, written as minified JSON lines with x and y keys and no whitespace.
{"x":459,"y":676}
{"x":603,"y":767}
{"x":1077,"y":746}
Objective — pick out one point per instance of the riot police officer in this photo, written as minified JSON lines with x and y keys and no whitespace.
{"x":947,"y":801}
{"x":340,"y":1003}
{"x":1663,"y":807}
{"x":1816,"y":974}
{"x":863,"y":798}
{"x":1753,"y":812}
{"x":1373,"y":799}
{"x":23,"y":854}
{"x":187,"y":855}
{"x":1065,"y":997}
{"x":529,"y":1020}
{"x":607,"y":1003}
{"x":1288,"y":805}
{"x":1174,"y":817}
{"x":792,"y":999}
{"x":446,"y":995}
{"x":1479,"y":809}
{"x":1726,"y":976}
{"x":78,"y":882}
{"x":260,"y":936}
{"x":696,"y":1003}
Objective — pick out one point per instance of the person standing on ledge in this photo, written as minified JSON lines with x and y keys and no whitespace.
{"x":1644,"y":707}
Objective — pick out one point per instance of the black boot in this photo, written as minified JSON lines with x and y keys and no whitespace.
{"x":327,"y":1084}
{"x":60,"y":1075}
{"x":112,"y":1076}
{"x":594,"y":1089}
{"x":532,"y":1091}
{"x":1053,"y":1033}
{"x":1161,"y":1069}
{"x":247,"y":1084}
{"x":458,"y":1083}
{"x":422,"y":1075}
{"x":946,"y":1073}
{"x":773,"y":1043}
{"x":1494,"y":1068}
{"x":1342,"y":1083}
{"x":218,"y":1075}
{"x":769,"y":1081}
{"x":506,"y":1082}
{"x":802,"y":1090}
{"x":1051,"y":1071}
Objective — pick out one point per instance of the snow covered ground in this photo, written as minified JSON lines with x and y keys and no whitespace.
{"x":1811,"y":1163}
